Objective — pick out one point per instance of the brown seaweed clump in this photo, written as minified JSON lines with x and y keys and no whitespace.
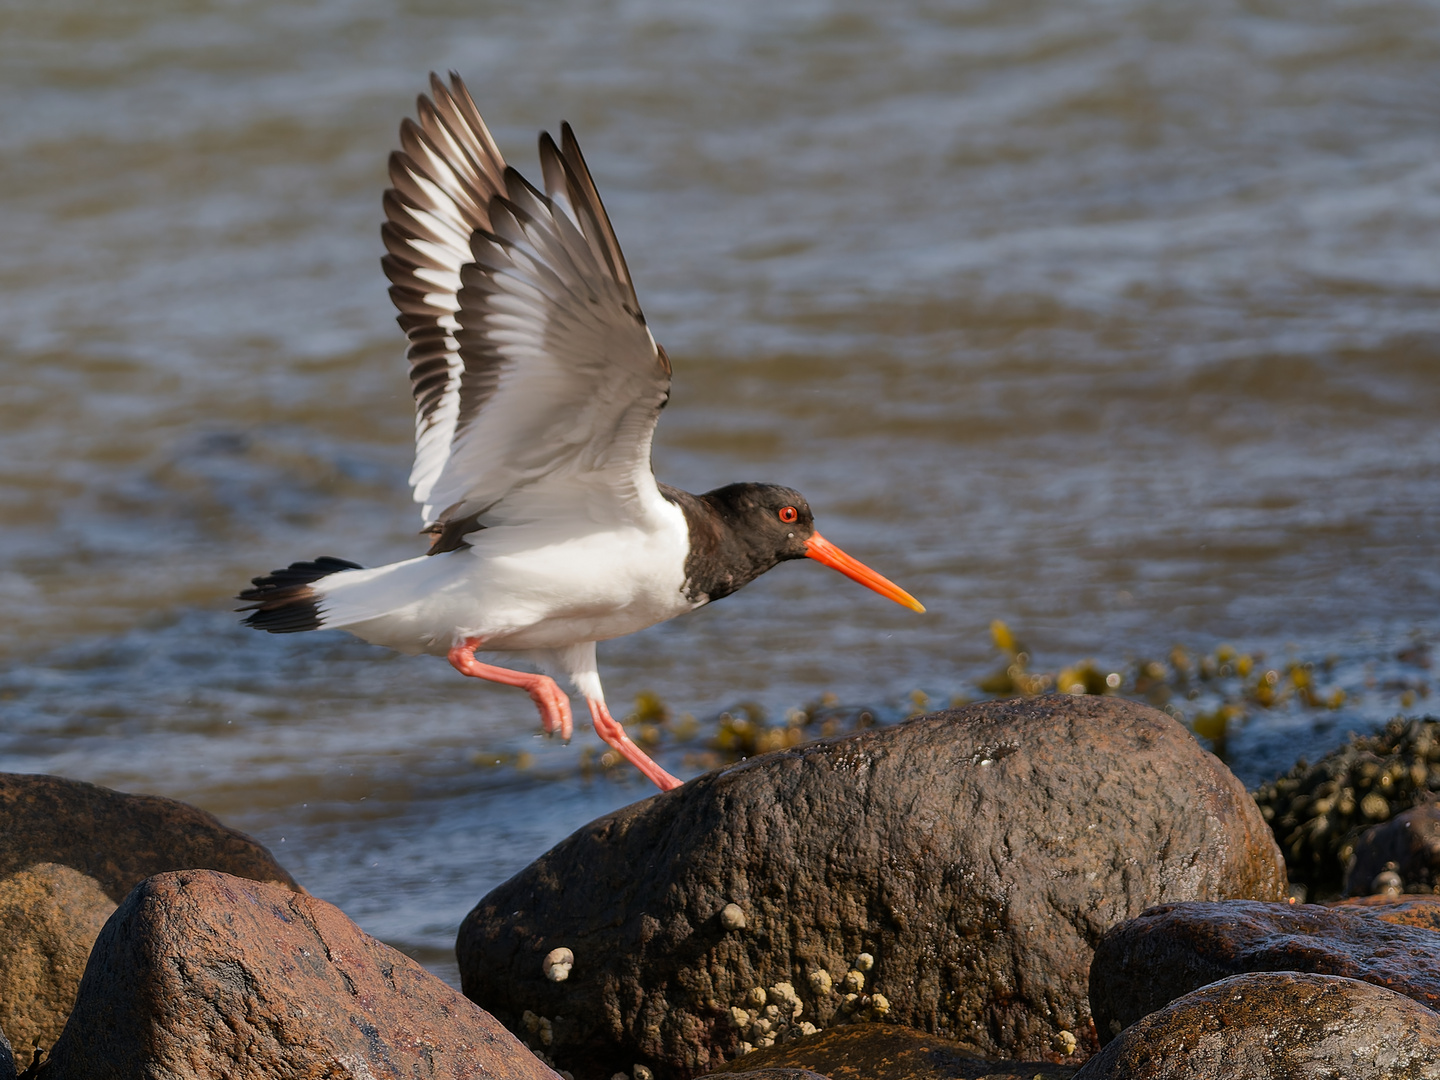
{"x":1318,"y":811}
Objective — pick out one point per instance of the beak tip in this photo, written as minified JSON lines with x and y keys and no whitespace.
{"x":822,"y":551}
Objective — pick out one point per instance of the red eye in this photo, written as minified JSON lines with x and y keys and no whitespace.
{"x":788,"y":515}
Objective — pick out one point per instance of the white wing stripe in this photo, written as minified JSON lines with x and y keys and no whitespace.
{"x":441,"y":231}
{"x":447,"y":255}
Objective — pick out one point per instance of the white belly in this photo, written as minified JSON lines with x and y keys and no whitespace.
{"x":519,"y":589}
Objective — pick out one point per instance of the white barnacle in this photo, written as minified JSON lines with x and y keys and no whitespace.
{"x":783,"y":994}
{"x":879,"y":1005}
{"x":756,"y":996}
{"x":557,"y":964}
{"x":739,"y":1017}
{"x":854,"y":981}
{"x":864,"y":962}
{"x":732,"y":918}
{"x":531,"y":1021}
{"x":807,"y":1028}
{"x":820,"y":981}
{"x":642,"y":1072}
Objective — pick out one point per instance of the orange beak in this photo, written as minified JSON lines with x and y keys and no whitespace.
{"x":821,"y":550}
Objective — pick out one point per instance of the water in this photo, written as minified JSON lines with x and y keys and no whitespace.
{"x":1114,"y":321}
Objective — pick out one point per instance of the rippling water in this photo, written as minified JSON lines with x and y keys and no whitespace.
{"x":1116,"y":321}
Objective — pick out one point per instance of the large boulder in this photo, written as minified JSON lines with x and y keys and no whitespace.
{"x":1172,"y":950}
{"x":951,"y":874}
{"x":887,"y":1052}
{"x":69,"y":852}
{"x":1278,"y":1026}
{"x":49,"y":917}
{"x":199,"y":974}
{"x":118,"y":839}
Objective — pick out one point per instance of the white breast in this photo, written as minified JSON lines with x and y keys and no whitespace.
{"x":523,"y":587}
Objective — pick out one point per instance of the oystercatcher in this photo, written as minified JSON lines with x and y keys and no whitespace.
{"x":537,"y":387}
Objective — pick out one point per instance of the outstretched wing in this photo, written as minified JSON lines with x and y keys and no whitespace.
{"x":534,"y":374}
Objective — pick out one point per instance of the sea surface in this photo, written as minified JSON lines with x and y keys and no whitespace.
{"x":1118,"y":322}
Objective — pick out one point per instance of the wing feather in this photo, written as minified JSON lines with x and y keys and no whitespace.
{"x":531,"y":366}
{"x":585,"y":198}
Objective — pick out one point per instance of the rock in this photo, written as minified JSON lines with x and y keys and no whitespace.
{"x":7,"y":1059}
{"x":1421,"y":911}
{"x":1406,"y":848}
{"x":976,"y":855}
{"x":1169,"y":951}
{"x":69,"y":851}
{"x":118,"y":839}
{"x":1319,"y":811}
{"x":49,"y":917}
{"x":778,"y":1074}
{"x":887,"y":1052}
{"x":1278,"y":1026}
{"x":199,"y":975}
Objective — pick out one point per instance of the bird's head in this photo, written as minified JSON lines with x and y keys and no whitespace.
{"x":776,"y":524}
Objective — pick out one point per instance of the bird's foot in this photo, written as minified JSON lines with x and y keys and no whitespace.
{"x":552,"y":702}
{"x":611,"y":730}
{"x":554,"y":706}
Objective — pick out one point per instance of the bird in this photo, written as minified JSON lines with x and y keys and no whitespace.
{"x":537,"y":386}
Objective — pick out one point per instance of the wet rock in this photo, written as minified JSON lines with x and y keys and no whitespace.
{"x":888,"y":1052}
{"x":49,"y":917}
{"x":1319,"y":811}
{"x":1278,"y":1026}
{"x":1169,"y":951}
{"x":69,"y":851}
{"x":118,"y":839}
{"x":1421,"y":911}
{"x":1403,"y":854}
{"x":976,"y":855}
{"x":200,"y":974}
{"x":778,"y":1074}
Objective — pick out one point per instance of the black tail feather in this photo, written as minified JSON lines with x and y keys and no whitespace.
{"x":283,"y":601}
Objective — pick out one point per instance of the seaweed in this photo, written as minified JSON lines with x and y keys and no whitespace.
{"x":1318,"y":812}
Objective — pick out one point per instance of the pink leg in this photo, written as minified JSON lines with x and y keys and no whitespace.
{"x":554,"y":706}
{"x":610,"y":729}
